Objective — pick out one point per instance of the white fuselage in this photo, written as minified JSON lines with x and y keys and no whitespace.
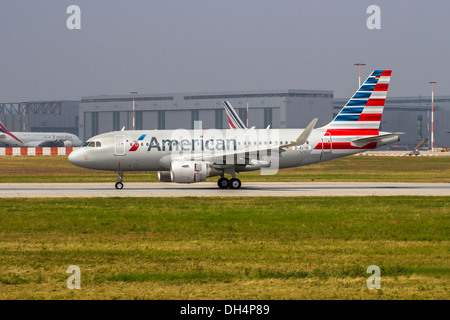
{"x":123,"y":151}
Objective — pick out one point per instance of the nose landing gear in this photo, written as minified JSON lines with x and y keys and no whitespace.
{"x":119,"y":184}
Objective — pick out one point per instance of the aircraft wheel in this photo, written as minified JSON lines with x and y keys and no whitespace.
{"x":223,"y":183}
{"x":234,"y":183}
{"x":119,"y":185}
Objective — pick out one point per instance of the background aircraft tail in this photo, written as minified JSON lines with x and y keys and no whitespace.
{"x":5,"y":131}
{"x":234,"y":120}
{"x":362,"y":113}
{"x":3,"y":128}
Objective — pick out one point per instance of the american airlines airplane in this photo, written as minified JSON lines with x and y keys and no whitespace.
{"x":189,"y":156}
{"x":38,"y":139}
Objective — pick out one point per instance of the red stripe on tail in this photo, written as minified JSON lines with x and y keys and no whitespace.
{"x":353,"y":132}
{"x":381,"y":87}
{"x":370,"y":117}
{"x":344,"y":145}
{"x":375,"y":103}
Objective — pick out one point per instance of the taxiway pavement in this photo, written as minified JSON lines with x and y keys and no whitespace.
{"x":210,"y":189}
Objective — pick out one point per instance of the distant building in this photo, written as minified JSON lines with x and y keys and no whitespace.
{"x":41,"y":116}
{"x":412,"y":115}
{"x":277,"y":108}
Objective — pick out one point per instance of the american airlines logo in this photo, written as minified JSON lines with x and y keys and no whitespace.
{"x":192,"y":144}
{"x":186,"y":144}
{"x":135,"y":145}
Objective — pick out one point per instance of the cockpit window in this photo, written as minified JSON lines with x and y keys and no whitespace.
{"x":92,"y":144}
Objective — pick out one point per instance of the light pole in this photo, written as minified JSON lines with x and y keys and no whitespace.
{"x":432,"y":114}
{"x":133,"y":93}
{"x":247,"y":111}
{"x":359,"y":74}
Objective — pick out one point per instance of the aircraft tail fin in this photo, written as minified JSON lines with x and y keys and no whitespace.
{"x":5,"y":131}
{"x":234,"y":121}
{"x":362,"y":113}
{"x":3,"y":128}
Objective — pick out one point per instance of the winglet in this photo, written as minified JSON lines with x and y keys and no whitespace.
{"x":303,"y":137}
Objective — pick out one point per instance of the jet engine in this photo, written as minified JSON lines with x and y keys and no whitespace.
{"x":164,"y":176}
{"x":188,"y":172}
{"x":67,"y":143}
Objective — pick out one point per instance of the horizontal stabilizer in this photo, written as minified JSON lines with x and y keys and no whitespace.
{"x":380,"y":139}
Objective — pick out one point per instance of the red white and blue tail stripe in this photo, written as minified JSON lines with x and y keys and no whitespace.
{"x":356,"y":126}
{"x":362,"y":113}
{"x":233,"y":119}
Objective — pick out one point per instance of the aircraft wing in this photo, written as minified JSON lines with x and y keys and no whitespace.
{"x":244,"y":156}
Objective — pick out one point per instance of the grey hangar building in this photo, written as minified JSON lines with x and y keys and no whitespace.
{"x":279,"y":109}
{"x":93,"y":115}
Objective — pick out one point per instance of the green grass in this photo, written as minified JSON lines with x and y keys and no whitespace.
{"x":355,"y":168}
{"x":225,"y":248}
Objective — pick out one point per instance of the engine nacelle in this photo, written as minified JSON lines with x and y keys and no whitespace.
{"x":191,"y":171}
{"x":164,"y":176}
{"x":67,"y":143}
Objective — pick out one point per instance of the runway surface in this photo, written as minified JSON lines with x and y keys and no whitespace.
{"x":210,"y":189}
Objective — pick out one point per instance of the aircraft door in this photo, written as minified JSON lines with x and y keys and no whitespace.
{"x":119,"y":145}
{"x":327,"y":143}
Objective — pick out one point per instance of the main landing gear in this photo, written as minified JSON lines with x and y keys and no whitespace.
{"x":119,"y":184}
{"x":233,"y":183}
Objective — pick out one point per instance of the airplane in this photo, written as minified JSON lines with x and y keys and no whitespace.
{"x":190,"y":156}
{"x":38,"y":139}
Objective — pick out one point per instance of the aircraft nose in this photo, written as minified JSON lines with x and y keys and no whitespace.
{"x":75,"y":157}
